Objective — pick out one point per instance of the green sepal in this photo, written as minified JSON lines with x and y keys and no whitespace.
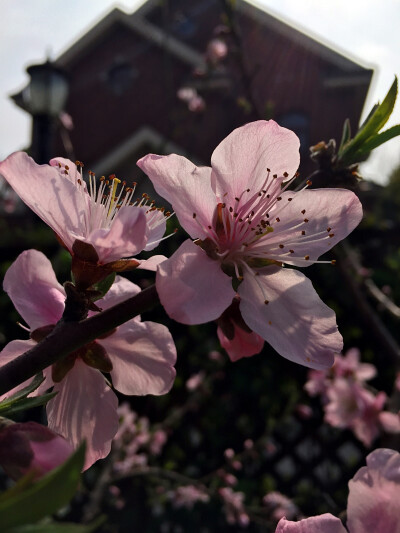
{"x":24,"y":504}
{"x":104,"y":286}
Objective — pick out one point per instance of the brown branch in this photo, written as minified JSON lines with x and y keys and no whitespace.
{"x":69,"y":336}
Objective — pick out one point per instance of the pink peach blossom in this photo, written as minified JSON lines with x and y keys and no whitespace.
{"x":139,"y":356}
{"x":246,"y":225}
{"x":97,"y":215}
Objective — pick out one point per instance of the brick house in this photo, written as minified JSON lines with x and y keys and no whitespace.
{"x":125,"y":73}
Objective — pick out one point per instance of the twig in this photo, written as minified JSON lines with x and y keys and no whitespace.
{"x":69,"y":336}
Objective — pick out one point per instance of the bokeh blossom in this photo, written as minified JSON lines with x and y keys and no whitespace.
{"x":138,"y":355}
{"x":246,"y":224}
{"x":373,"y":503}
{"x":347,"y":401}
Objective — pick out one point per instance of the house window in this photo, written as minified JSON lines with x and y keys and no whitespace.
{"x":120,"y":77}
{"x":299,"y":123}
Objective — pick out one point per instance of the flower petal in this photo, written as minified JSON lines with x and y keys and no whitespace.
{"x":324,"y":523}
{"x":33,"y":288}
{"x":294,"y":321}
{"x":57,"y":201}
{"x":192,"y":287}
{"x":151,"y":263}
{"x":241,"y":160}
{"x":84,"y":408}
{"x":186,"y":187}
{"x":373,"y":503}
{"x":310,"y":224}
{"x":243,"y":344}
{"x":143,"y":355}
{"x":126,"y":237}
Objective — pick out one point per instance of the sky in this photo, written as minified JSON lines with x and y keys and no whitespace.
{"x":366,"y":30}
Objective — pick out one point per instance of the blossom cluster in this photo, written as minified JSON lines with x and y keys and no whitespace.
{"x":348,"y":402}
{"x":248,"y":228}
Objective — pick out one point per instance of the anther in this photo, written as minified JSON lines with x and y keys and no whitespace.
{"x":278,"y":219}
{"x":266,"y":302}
{"x":309,"y":183}
{"x":333,"y":261}
{"x":291,"y":251}
{"x":306,"y":220}
{"x":328,"y":229}
{"x":285,"y":174}
{"x":331,"y":235}
{"x":194,"y":215}
{"x":279,"y":198}
{"x":307,"y":257}
{"x":303,"y":232}
{"x":303,"y":211}
{"x":281,"y":246}
{"x":289,"y":199}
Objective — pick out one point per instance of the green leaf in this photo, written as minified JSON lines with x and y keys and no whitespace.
{"x":104,"y":285}
{"x":380,"y":116}
{"x":26,"y":403}
{"x":23,"y":393}
{"x":375,"y":122}
{"x":381,"y":138}
{"x":44,"y":497}
{"x":59,"y":527}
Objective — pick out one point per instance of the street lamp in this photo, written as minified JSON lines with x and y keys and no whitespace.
{"x":44,"y":98}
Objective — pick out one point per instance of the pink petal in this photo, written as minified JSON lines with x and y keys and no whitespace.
{"x":326,"y":216}
{"x":373,"y":503}
{"x":241,"y":160}
{"x":151,"y":263}
{"x":57,"y":201}
{"x":192,"y":287}
{"x":143,"y":355}
{"x":33,"y":288}
{"x":324,"y":523}
{"x":243,"y":344}
{"x":390,"y":422}
{"x":125,"y":238}
{"x":294,"y":321}
{"x":186,"y":187}
{"x":85,"y":408}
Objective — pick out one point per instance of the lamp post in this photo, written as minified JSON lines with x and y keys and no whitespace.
{"x":44,"y":98}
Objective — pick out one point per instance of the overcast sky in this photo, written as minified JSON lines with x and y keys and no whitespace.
{"x":367,"y":30}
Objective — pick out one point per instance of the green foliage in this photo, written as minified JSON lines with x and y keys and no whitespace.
{"x":28,"y":502}
{"x":104,"y":286}
{"x":369,"y":137}
{"x":20,"y":402}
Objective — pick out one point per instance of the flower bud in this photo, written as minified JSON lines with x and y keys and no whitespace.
{"x":26,"y":447}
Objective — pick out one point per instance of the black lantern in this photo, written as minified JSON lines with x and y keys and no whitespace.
{"x":44,"y":98}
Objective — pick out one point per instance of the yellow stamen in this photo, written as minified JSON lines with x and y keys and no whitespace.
{"x":116,"y":181}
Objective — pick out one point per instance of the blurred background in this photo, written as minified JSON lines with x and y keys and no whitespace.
{"x":107,"y":84}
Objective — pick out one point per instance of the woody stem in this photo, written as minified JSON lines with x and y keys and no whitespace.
{"x":69,"y":336}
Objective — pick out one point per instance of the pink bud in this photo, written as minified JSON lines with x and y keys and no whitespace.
{"x":29,"y":446}
{"x":229,"y":453}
